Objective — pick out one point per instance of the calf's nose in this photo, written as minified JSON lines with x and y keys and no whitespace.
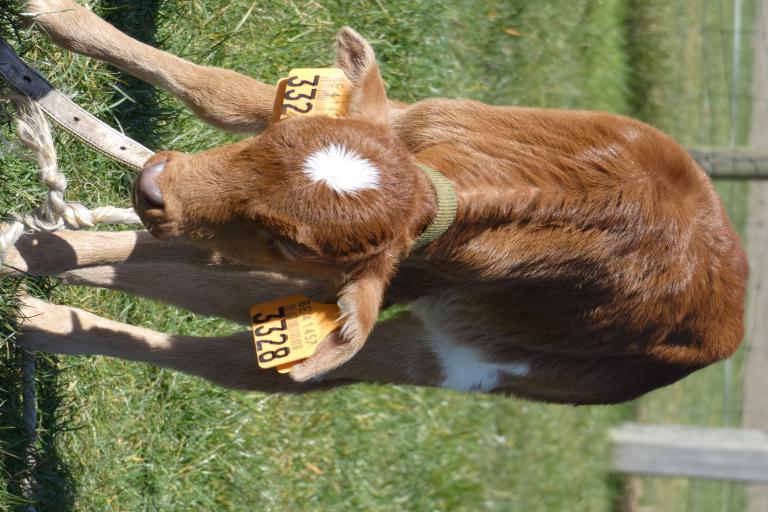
{"x":147,"y":186}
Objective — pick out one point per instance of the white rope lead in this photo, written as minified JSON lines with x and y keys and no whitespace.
{"x":54,"y":213}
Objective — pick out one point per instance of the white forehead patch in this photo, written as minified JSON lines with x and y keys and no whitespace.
{"x":341,"y":169}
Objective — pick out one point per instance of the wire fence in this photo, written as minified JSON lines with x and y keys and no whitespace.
{"x":725,"y":126}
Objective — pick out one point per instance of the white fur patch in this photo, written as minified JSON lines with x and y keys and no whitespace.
{"x":464,"y":370}
{"x":341,"y":169}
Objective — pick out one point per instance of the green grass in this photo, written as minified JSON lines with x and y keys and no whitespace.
{"x":124,"y":436}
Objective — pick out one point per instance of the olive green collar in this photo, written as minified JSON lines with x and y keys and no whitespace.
{"x":446,"y":207}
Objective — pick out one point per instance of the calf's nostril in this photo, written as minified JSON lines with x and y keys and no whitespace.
{"x":148,"y":184}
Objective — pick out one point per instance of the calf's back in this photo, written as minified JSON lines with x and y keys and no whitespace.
{"x":589,"y":245}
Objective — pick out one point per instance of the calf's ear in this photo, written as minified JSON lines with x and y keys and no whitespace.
{"x":367,"y":99}
{"x":359,"y":300}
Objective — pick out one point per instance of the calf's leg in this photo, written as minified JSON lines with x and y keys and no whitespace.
{"x":395,"y":353}
{"x":229,"y":361}
{"x":134,"y":262}
{"x":223,"y":98}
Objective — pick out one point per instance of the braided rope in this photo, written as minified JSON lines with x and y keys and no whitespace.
{"x":54,"y":213}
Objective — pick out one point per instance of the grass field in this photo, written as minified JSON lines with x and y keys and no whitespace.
{"x":124,"y":436}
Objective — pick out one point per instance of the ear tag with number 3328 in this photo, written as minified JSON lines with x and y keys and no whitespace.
{"x":312,"y":92}
{"x":287,"y":330}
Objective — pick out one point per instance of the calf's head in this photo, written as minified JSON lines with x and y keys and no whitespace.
{"x":339,"y":199}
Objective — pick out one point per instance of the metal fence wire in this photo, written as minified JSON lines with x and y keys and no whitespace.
{"x":731,"y":39}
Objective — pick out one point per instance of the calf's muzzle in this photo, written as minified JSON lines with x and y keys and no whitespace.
{"x":147,"y":189}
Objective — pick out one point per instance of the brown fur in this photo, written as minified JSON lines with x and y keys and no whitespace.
{"x":589,"y":246}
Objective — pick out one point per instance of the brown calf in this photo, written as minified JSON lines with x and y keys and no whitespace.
{"x":590,"y":260}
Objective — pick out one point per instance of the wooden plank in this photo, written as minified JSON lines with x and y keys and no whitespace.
{"x":694,"y":452}
{"x":732,"y":163}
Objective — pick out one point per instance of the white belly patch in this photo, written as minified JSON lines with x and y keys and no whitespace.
{"x":464,"y":369}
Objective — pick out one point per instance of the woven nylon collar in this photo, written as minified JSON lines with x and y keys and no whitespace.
{"x":446,"y":207}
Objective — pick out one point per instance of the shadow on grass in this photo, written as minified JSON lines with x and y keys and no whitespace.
{"x":138,"y":107}
{"x":47,"y":482}
{"x":141,"y":115}
{"x":33,"y":475}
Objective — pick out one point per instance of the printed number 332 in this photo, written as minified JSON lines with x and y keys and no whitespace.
{"x":291,"y":95}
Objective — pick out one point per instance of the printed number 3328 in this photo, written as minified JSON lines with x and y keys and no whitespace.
{"x":265,"y":355}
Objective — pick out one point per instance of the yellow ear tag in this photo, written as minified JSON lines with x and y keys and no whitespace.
{"x":312,"y":92}
{"x":288,"y":330}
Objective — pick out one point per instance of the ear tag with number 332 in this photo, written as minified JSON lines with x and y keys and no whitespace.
{"x":312,"y":92}
{"x":288,"y":330}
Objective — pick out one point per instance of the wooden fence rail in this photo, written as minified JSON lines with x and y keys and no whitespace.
{"x":733,"y":163}
{"x":694,"y":452}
